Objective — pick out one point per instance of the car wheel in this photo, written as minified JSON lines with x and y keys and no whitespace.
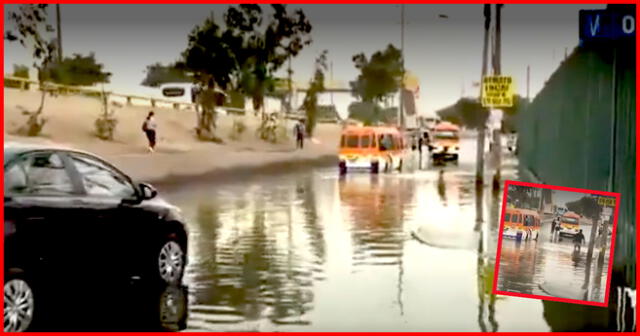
{"x":171,"y":260}
{"x":19,"y":307}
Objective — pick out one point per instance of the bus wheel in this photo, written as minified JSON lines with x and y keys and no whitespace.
{"x":375,"y":167}
{"x":343,"y":167}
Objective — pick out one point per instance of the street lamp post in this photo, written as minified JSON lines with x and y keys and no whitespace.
{"x":59,"y":32}
{"x":481,"y":132}
{"x":401,"y":109}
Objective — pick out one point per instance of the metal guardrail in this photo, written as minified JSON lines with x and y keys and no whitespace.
{"x":27,"y":84}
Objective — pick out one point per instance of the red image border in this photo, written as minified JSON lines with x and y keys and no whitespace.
{"x":507,"y":183}
{"x":635,"y":217}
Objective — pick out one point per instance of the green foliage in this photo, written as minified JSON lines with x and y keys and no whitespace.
{"x":316,"y":85}
{"x":20,"y":71}
{"x":245,"y":51}
{"x":28,"y":26}
{"x":469,"y":113}
{"x":158,"y":74}
{"x":78,"y":71}
{"x":586,"y":206}
{"x":237,"y":129}
{"x":371,"y":113}
{"x":523,"y":197}
{"x":380,"y":76}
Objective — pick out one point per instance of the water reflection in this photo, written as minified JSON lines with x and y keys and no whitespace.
{"x":376,"y":208}
{"x":315,"y":252}
{"x":114,"y":308}
{"x":256,"y":260}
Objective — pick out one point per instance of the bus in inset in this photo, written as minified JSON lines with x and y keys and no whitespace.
{"x":569,"y":224}
{"x":521,"y":224}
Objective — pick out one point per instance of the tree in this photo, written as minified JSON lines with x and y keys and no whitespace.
{"x":522,"y":197}
{"x":316,"y":85}
{"x":244,"y":53}
{"x":371,"y":113}
{"x":469,"y":112}
{"x":78,"y":71}
{"x":158,"y":74}
{"x":586,"y":206}
{"x":30,"y":29}
{"x":21,"y":71}
{"x":379,"y":77}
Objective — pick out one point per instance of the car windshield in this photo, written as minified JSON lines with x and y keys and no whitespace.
{"x":569,"y":220}
{"x":446,"y":135}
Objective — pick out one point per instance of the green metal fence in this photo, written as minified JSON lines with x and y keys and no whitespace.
{"x":579,"y":131}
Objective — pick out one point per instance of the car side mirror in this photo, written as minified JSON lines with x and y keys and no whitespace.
{"x":148,"y":191}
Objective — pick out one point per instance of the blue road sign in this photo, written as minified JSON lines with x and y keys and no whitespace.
{"x":603,"y":25}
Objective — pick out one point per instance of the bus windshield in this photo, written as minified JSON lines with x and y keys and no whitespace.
{"x":569,"y":220}
{"x":446,"y":135}
{"x":352,"y":141}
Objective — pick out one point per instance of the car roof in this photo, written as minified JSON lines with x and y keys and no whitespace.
{"x":11,"y":149}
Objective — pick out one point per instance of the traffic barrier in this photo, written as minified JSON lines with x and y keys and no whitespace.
{"x":27,"y":84}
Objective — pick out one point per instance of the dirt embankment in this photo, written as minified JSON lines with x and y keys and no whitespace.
{"x":179,"y":155}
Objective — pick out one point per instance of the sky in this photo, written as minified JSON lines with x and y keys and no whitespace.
{"x":444,"y":53}
{"x":562,"y":197}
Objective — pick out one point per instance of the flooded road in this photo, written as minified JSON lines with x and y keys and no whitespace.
{"x":312,"y":251}
{"x":553,"y":268}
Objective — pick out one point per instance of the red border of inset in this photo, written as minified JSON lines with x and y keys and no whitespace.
{"x":611,"y":248}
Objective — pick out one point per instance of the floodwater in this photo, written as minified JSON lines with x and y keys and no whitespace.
{"x":553,"y":268}
{"x":311,"y":251}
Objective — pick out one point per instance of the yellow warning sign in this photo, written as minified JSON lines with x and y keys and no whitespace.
{"x":497,"y":91}
{"x":606,"y":201}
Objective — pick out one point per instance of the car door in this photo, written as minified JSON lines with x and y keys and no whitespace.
{"x":41,"y":205}
{"x":118,"y":226}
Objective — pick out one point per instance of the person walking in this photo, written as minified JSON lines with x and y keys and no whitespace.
{"x":578,"y":241}
{"x":149,"y":127}
{"x":299,"y":131}
{"x":553,"y":228}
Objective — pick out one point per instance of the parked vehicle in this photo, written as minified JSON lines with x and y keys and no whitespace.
{"x":71,"y":216}
{"x":521,"y":224}
{"x":445,"y":142}
{"x":372,"y":148}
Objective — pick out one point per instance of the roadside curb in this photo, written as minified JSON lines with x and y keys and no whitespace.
{"x":244,"y":172}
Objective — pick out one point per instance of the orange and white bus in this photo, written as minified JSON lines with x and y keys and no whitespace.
{"x":373,"y":148}
{"x":521,"y":224}
{"x":569,"y":224}
{"x":445,"y":142}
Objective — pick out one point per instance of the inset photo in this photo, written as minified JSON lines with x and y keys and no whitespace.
{"x":556,"y":243}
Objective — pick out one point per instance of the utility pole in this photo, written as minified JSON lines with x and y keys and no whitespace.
{"x":59,"y":33}
{"x":497,"y":71}
{"x":528,"y":79}
{"x":331,"y":76}
{"x":481,"y":131}
{"x":401,"y":109}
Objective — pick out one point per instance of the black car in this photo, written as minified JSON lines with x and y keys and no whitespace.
{"x":71,"y":217}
